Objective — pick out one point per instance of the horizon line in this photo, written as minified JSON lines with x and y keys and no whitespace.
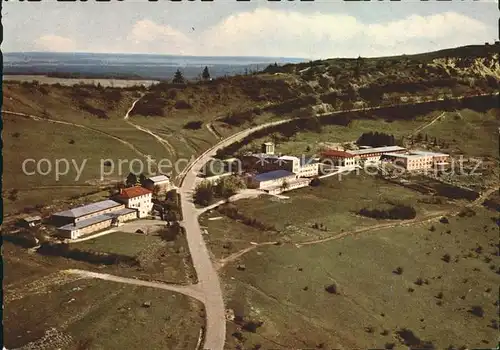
{"x":151,"y":54}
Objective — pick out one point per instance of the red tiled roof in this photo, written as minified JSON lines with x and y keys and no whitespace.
{"x":132,"y":192}
{"x":337,"y":153}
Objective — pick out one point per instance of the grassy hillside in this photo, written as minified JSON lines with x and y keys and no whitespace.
{"x":187,"y":118}
{"x":443,"y":292}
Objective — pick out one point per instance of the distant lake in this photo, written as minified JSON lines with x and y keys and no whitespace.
{"x":140,"y":66}
{"x":42,"y":79}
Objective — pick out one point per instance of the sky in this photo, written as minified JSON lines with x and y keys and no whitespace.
{"x":320,"y":29}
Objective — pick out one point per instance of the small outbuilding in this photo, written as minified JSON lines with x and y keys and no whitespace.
{"x":31,"y":221}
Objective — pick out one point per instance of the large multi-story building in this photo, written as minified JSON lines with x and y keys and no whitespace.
{"x":138,"y":198}
{"x":339,"y":158}
{"x":417,"y":160}
{"x":90,"y":218}
{"x":373,"y":154}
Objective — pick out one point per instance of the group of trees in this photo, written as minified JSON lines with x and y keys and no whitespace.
{"x":226,"y":187}
{"x":376,"y":139}
{"x":397,"y":212}
{"x":134,"y":179}
{"x":179,"y":77}
{"x":430,"y":140}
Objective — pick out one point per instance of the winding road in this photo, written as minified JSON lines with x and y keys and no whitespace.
{"x":208,"y":279}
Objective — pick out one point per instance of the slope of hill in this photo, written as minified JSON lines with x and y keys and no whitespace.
{"x":189,"y":117}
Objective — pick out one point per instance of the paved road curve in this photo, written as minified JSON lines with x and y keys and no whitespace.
{"x":207,"y":274}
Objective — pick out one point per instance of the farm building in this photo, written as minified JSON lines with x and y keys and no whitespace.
{"x":138,"y":198}
{"x":31,"y":221}
{"x":91,"y":218}
{"x":278,"y":181}
{"x":97,"y":223}
{"x":85,"y":212}
{"x":272,"y":178}
{"x":162,"y":182}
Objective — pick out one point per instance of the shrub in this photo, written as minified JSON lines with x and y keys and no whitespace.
{"x":181,"y":104}
{"x":238,"y":336}
{"x":72,"y":142}
{"x":332,"y":289}
{"x":315,"y":182}
{"x":419,"y":281}
{"x":203,"y":194}
{"x":446,"y":258}
{"x":466,"y":212}
{"x":251,"y":326}
{"x":398,"y":271}
{"x":412,"y":341}
{"x":439,"y":295}
{"x":432,"y":228}
{"x":16,"y":134}
{"x":477,"y":311}
{"x":397,"y":212}
{"x":170,"y":233}
{"x":193,"y":125}
{"x":494,"y":324}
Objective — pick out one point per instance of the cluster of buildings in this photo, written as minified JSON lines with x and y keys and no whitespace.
{"x":129,"y":204}
{"x":274,"y":173}
{"x":407,"y":159}
{"x":266,"y":171}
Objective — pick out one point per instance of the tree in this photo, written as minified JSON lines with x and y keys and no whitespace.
{"x":131,"y":180}
{"x":229,"y":186}
{"x":156,"y":191}
{"x":203,"y":194}
{"x":13,"y":195}
{"x":205,"y":74}
{"x":178,"y":78}
{"x":141,"y":179}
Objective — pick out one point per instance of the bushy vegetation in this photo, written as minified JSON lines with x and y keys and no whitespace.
{"x":171,"y":232}
{"x":226,"y":187}
{"x":397,"y":212}
{"x":234,"y":213}
{"x":64,"y":250}
{"x":376,"y":139}
{"x":203,"y":193}
{"x":193,"y":125}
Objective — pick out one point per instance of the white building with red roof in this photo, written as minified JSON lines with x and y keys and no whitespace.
{"x":339,"y":158}
{"x":138,"y":198}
